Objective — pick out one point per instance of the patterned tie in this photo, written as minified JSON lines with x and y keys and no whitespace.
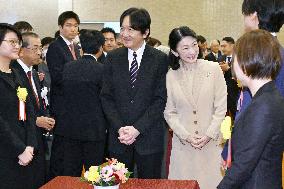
{"x":133,"y":70}
{"x":29,"y":74}
{"x":71,"y":46}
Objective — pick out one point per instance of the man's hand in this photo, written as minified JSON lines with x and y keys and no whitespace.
{"x":45,"y":122}
{"x":224,"y":66}
{"x":26,"y":157}
{"x":128,"y":134}
{"x":41,"y":76}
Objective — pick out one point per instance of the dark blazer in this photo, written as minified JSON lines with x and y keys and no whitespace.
{"x":257,"y":143}
{"x":102,"y":58}
{"x":141,"y":107}
{"x":232,"y":89}
{"x":57,"y":56}
{"x":15,"y":135}
{"x":81,"y":87}
{"x":211,"y":57}
{"x":39,"y":160}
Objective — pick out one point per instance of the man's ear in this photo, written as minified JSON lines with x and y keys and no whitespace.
{"x":145,"y":35}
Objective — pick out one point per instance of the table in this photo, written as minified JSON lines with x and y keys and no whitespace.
{"x":65,"y":182}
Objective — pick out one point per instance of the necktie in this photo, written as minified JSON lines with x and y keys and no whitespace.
{"x":133,"y":70}
{"x":71,"y":46}
{"x":29,"y":74}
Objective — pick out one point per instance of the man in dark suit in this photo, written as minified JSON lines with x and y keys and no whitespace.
{"x":110,"y":42}
{"x":227,"y":45}
{"x":215,"y":53}
{"x":83,"y":125}
{"x":60,"y":52}
{"x":134,"y":97}
{"x":30,"y":55}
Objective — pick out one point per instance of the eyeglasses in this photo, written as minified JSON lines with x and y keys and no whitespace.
{"x":34,"y":49}
{"x":14,"y":42}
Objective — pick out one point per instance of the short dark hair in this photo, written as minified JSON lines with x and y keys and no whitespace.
{"x":229,"y":40}
{"x":47,"y":40}
{"x":67,"y":15}
{"x":6,"y":28}
{"x":270,"y":13}
{"x":91,"y":41}
{"x":258,"y":54}
{"x":109,"y":30}
{"x":201,"y":39}
{"x":176,"y":35}
{"x":26,"y":37}
{"x":139,"y":19}
{"x":23,"y":26}
{"x":57,"y":34}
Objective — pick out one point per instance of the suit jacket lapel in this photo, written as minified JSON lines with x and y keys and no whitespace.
{"x":122,"y":65}
{"x":185,"y":87}
{"x":66,"y":48}
{"x":144,"y":67}
{"x":199,"y":78}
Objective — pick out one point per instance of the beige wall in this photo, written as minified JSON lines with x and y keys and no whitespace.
{"x":41,"y":14}
{"x":211,"y":18}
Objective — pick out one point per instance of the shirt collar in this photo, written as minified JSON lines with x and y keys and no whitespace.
{"x":66,"y":41}
{"x":274,"y":34}
{"x":24,"y":66}
{"x":139,"y":53}
{"x":91,"y":56}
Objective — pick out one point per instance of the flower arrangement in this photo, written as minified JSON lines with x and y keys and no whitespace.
{"x":110,"y":173}
{"x":226,"y":128}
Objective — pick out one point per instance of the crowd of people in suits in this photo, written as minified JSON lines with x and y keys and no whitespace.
{"x":93,"y":97}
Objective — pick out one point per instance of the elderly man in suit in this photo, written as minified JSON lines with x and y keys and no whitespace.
{"x":215,"y":53}
{"x":29,"y":56}
{"x":84,"y":125}
{"x":60,"y":52}
{"x":134,"y":97}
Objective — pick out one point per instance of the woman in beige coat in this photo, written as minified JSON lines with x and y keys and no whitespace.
{"x":196,"y":106}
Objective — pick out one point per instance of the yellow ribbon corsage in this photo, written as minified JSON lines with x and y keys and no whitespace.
{"x":22,"y":94}
{"x":226,"y":127}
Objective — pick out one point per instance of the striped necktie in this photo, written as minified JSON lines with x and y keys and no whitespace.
{"x":133,"y":70}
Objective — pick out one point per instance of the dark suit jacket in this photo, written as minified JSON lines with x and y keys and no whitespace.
{"x":15,"y":135}
{"x":211,"y":57}
{"x":257,"y":143}
{"x":141,"y":107}
{"x":81,"y":87}
{"x":38,"y":110}
{"x":232,"y":89}
{"x":57,"y":56}
{"x":102,"y":58}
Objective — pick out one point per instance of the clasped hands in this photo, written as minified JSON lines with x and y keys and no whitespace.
{"x":27,"y":156}
{"x":45,"y":122}
{"x":196,"y":141}
{"x":127,"y":135}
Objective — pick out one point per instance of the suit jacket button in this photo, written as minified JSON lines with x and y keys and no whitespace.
{"x":132,"y":101}
{"x":194,"y":112}
{"x":195,"y":122}
{"x":196,"y":132}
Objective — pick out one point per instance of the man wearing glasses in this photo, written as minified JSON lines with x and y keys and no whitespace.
{"x":30,"y":54}
{"x":60,"y":52}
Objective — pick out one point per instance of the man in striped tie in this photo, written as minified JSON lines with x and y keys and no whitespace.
{"x":134,"y":96}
